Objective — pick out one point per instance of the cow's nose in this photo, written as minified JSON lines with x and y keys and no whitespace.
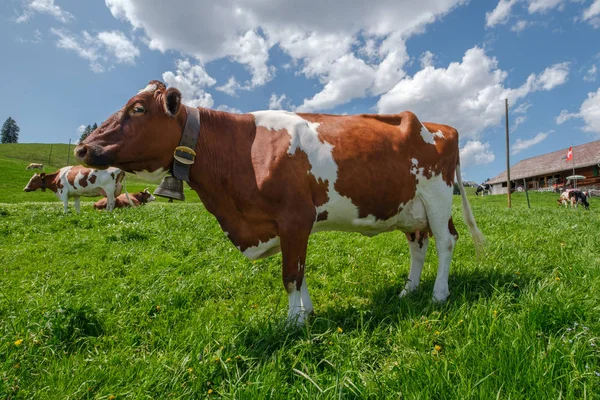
{"x":81,"y":151}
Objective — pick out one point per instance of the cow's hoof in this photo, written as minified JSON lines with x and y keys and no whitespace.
{"x":440,"y":298}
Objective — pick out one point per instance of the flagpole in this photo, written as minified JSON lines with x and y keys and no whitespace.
{"x":573,"y":159}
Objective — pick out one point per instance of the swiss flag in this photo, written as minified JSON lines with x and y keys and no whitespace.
{"x":570,"y":153}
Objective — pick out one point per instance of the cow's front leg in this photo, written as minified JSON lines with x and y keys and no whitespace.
{"x":65,"y":201}
{"x":76,"y":202}
{"x":418,"y":243}
{"x":294,"y":244}
{"x":110,"y":201}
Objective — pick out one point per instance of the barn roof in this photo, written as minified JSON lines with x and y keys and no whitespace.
{"x":584,"y":155}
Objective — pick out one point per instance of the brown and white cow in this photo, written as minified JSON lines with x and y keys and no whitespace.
{"x":35,"y":166}
{"x":76,"y":181}
{"x":127,"y":200}
{"x":271,"y":178}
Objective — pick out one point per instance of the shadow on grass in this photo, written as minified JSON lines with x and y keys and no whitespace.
{"x":385,"y":309}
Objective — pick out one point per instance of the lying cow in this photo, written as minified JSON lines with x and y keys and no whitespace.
{"x":272,"y":178}
{"x":35,"y":166}
{"x":484,"y":188}
{"x":76,"y":181}
{"x":127,"y":200}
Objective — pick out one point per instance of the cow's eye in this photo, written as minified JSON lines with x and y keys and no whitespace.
{"x":137,"y":109}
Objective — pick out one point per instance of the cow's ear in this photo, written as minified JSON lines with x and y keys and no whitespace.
{"x":172,"y":101}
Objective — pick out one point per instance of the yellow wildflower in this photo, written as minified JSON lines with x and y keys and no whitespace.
{"x":340,"y":330}
{"x":437,"y":348}
{"x":18,"y":342}
{"x":557,"y":279}
{"x":210,"y":391}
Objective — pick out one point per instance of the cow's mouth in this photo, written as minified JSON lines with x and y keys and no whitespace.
{"x":93,"y":156}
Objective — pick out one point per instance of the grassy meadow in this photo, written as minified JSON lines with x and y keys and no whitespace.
{"x":155,"y":302}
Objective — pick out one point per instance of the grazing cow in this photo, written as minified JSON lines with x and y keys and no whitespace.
{"x":579,"y":197}
{"x":271,"y":178}
{"x":76,"y":181}
{"x":35,"y":166}
{"x":484,"y":188}
{"x":564,"y":199}
{"x":127,"y":200}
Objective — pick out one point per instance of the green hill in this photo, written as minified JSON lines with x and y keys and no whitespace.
{"x":14,"y":177}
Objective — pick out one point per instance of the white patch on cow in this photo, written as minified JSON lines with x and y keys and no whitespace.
{"x":295,"y":311}
{"x":150,"y":88}
{"x":426,"y":135}
{"x":263,"y":249}
{"x":154,"y":176}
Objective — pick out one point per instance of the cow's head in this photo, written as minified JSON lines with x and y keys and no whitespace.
{"x":146,"y":196}
{"x":141,"y":136}
{"x":37,"y":181}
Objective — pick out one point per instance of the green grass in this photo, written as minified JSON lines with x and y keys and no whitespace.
{"x":154,"y":302}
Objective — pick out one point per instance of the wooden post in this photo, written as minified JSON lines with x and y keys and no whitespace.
{"x":507,"y":155}
{"x":69,"y":152}
{"x":526,"y":192}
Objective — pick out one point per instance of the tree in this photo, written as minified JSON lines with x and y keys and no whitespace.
{"x":88,"y":129}
{"x":10,"y":131}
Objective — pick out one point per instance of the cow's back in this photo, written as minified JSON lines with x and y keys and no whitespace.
{"x":357,"y":170}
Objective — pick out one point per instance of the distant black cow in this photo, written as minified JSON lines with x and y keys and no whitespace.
{"x":580,"y":198}
{"x":484,"y":188}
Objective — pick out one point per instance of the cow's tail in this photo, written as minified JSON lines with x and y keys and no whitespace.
{"x":126,"y":193}
{"x":476,"y":234}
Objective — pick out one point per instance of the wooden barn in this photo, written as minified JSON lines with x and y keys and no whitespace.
{"x":550,"y":170}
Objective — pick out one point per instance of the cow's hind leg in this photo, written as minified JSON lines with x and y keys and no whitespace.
{"x":439,"y":215}
{"x":418,"y":243}
{"x":77,"y":204}
{"x":294,"y":244}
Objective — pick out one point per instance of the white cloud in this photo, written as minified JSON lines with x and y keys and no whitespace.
{"x":500,"y":14}
{"x":521,"y":144}
{"x":120,"y":46}
{"x":589,"y":112}
{"x":592,"y":14}
{"x":590,"y":75}
{"x":191,"y":79}
{"x":468,"y":95}
{"x":276,"y":102}
{"x":80,"y":129}
{"x":564,"y":116}
{"x":246,"y":31}
{"x":522,"y":108}
{"x":553,"y":76}
{"x":231,"y":87}
{"x":48,"y":7}
{"x":476,"y":153}
{"x":520,"y":25}
{"x":226,"y":108}
{"x":544,"y":5}
{"x":102,"y":50}
{"x":518,"y":121}
{"x":427,"y":59}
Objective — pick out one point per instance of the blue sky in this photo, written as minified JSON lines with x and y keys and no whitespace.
{"x":70,"y":63}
